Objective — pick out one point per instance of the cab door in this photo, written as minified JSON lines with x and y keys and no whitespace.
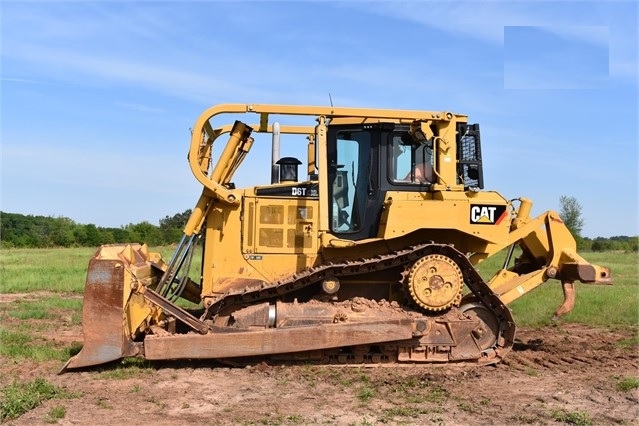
{"x":355,"y":201}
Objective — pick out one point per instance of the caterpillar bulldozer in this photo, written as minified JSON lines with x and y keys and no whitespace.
{"x":371,"y":258}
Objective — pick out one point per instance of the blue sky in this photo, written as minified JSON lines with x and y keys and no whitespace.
{"x":98,"y":97}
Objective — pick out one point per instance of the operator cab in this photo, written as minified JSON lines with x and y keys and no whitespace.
{"x":367,"y":160}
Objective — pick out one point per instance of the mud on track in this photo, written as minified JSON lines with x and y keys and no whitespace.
{"x":567,"y":373}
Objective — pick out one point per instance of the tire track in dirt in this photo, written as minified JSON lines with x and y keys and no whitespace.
{"x":569,"y":369}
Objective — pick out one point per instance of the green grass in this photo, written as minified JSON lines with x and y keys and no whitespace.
{"x":595,"y":305}
{"x":579,"y":418}
{"x":365,"y":393}
{"x":20,"y":345}
{"x":59,"y":270}
{"x":43,"y":308}
{"x":390,"y":414}
{"x":55,"y":413}
{"x":626,"y":384}
{"x":102,"y":403}
{"x":20,"y":397}
{"x":23,"y":320}
{"x":628,"y":343}
{"x":128,"y":368}
{"x":56,"y":270}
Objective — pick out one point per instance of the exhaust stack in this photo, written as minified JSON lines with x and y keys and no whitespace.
{"x":275,"y":154}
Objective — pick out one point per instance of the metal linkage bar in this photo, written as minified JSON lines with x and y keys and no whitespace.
{"x":174,"y":310}
{"x":183,"y":251}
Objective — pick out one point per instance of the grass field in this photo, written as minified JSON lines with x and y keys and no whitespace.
{"x":596,"y":305}
{"x":63,"y":271}
{"x":57,"y":270}
{"x":41,"y":300}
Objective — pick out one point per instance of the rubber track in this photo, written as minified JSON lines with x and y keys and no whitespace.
{"x":405,"y":257}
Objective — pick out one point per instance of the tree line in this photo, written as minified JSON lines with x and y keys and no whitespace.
{"x":616,"y":243}
{"x":27,"y":231}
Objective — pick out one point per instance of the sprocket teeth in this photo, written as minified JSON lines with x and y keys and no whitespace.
{"x":435,"y":283}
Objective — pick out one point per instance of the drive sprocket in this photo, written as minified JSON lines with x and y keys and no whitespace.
{"x":435,"y":282}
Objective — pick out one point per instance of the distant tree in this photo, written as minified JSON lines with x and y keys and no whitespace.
{"x":584,"y":244}
{"x":176,"y":221}
{"x":120,"y":235}
{"x":144,"y":232}
{"x":570,"y":213}
{"x":91,"y":236}
{"x":601,"y":244}
{"x":623,"y":243}
{"x":171,"y":227}
{"x":106,"y":236}
{"x":79,"y":235}
{"x":18,"y":230}
{"x":60,"y":232}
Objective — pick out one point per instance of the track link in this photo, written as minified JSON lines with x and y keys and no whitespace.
{"x":480,"y":293}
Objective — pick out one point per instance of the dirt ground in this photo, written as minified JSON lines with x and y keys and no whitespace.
{"x":562,"y":374}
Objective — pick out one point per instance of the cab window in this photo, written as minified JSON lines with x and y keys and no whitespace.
{"x":410,"y":163}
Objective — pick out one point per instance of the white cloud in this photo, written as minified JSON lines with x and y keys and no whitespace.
{"x":21,"y":80}
{"x":179,"y":82}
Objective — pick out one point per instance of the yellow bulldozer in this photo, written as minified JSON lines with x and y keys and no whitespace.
{"x":371,"y":258}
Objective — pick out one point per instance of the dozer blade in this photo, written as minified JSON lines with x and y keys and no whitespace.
{"x":102,"y":315}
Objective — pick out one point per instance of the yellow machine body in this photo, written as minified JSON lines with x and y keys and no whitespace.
{"x":370,"y":258}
